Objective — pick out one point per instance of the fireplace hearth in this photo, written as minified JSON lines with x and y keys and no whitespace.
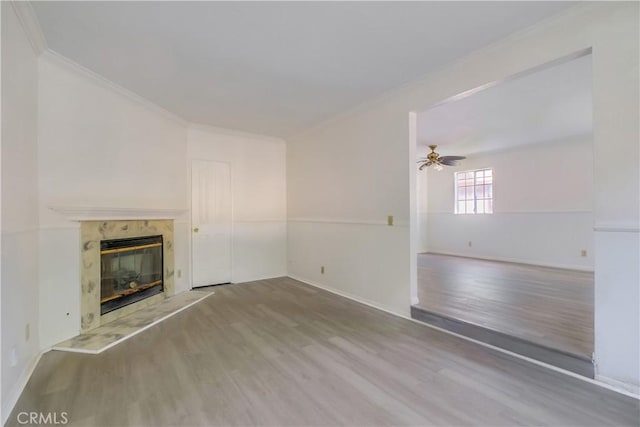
{"x":131,"y":270}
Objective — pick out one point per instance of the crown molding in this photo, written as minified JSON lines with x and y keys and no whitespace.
{"x":467,"y":60}
{"x":31,"y":26}
{"x":27,"y":17}
{"x":203,"y":127}
{"x":68,"y":64}
{"x":101,"y":213}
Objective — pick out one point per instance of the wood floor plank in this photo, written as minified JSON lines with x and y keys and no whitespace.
{"x":281,"y":353}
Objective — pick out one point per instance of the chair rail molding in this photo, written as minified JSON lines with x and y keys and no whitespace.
{"x":617,"y":227}
{"x":384,"y":223}
{"x":97,"y":213}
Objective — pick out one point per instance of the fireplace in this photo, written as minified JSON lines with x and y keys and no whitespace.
{"x":131,"y":269}
{"x":123,"y":266}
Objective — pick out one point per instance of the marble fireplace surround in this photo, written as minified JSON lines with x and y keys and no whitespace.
{"x":105,"y":223}
{"x":91,"y":233}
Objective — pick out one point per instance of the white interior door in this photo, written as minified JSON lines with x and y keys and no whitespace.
{"x":210,"y":223}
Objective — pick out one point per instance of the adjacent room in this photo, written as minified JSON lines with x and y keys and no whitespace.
{"x":212,"y":214}
{"x":506,"y":231}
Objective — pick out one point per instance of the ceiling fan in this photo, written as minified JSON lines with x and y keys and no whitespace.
{"x":434,"y":159}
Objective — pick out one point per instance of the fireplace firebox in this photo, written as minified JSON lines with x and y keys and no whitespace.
{"x":130,"y":271}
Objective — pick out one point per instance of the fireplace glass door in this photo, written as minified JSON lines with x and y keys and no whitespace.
{"x":131,"y":270}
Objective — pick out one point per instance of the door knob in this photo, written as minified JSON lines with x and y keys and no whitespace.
{"x":196,"y":229}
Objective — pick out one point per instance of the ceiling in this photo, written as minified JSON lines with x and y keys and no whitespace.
{"x":273,"y":68}
{"x":543,"y":106}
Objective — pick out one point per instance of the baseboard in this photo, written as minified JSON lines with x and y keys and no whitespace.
{"x":257,"y":278}
{"x":516,"y":261}
{"x":17,"y":390}
{"x":621,"y":386}
{"x":350,"y":296}
{"x":621,"y":390}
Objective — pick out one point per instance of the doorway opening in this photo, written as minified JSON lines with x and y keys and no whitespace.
{"x":504,"y":237}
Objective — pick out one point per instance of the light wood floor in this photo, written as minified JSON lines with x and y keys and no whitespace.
{"x":547,"y":306}
{"x":278,"y":352}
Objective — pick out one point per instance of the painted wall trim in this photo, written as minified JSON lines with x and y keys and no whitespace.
{"x":617,"y":228}
{"x":511,"y":212}
{"x":27,"y":17}
{"x":347,"y":221}
{"x":347,"y":295}
{"x":235,"y":281}
{"x":22,"y":230}
{"x":232,"y":132}
{"x":517,"y":261}
{"x":618,"y":387}
{"x":632,"y":390}
{"x":73,"y":66}
{"x":518,"y":35}
{"x":254,"y":221}
{"x":78,"y":69}
{"x":96,"y":213}
{"x":585,"y":138}
{"x":15,"y":394}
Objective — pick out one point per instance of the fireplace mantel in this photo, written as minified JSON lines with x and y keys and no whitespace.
{"x":99,"y":213}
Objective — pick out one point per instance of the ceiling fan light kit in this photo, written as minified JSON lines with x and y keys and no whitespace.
{"x":434,"y":159}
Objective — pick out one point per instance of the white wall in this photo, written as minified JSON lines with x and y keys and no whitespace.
{"x":356,"y":257}
{"x":422,"y":203}
{"x":258,"y":186}
{"x":543,"y":202}
{"x":345,"y":179}
{"x":19,"y":208}
{"x":617,"y":294}
{"x":354,"y":170}
{"x":100,"y":146}
{"x":97,"y":147}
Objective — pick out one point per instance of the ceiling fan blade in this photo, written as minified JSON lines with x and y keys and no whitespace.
{"x":445,"y":158}
{"x":425,"y":164}
{"x":448,"y":162}
{"x":424,"y":159}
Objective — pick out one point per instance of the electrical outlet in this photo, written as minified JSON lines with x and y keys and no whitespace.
{"x":470,"y":243}
{"x":583,"y":252}
{"x":27,"y":332}
{"x":390,"y":220}
{"x":322,"y":269}
{"x":179,"y":273}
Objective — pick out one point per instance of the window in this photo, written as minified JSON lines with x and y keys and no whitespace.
{"x":474,"y":192}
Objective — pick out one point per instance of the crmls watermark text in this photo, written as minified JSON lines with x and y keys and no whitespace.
{"x":42,"y":418}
